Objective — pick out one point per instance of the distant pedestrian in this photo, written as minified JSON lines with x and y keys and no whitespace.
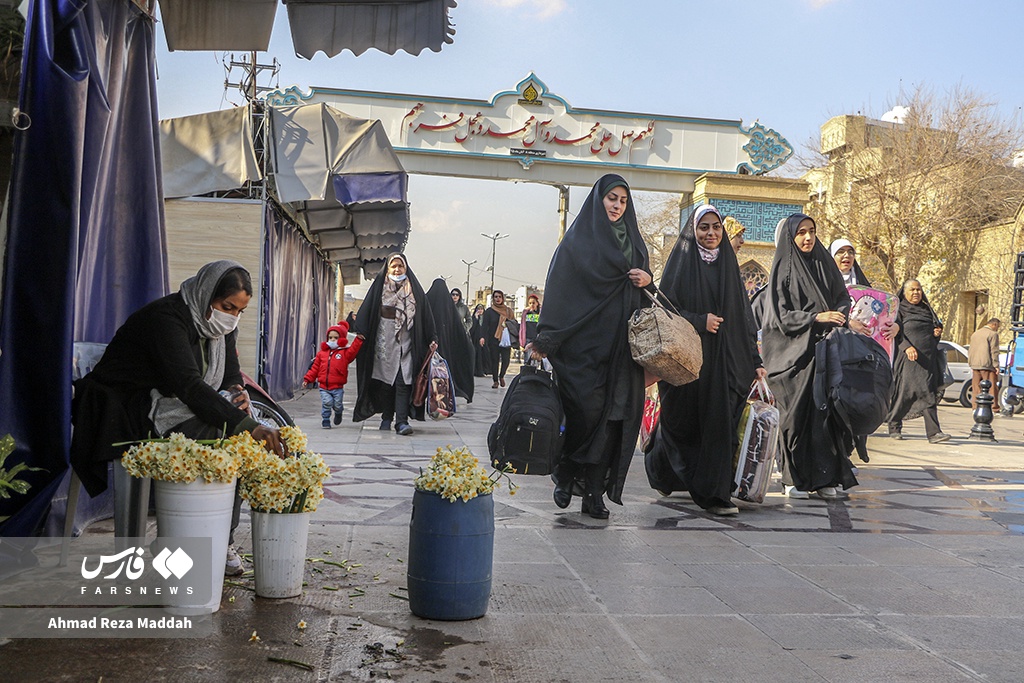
{"x":736,"y":231}
{"x":983,"y":357}
{"x":396,"y":321}
{"x":330,"y":371}
{"x":592,"y":290}
{"x":350,"y":319}
{"x":917,"y":364}
{"x":528,"y":322}
{"x":807,"y":300}
{"x":497,"y":338}
{"x":453,"y":341}
{"x":476,"y":333}
{"x":465,"y":317}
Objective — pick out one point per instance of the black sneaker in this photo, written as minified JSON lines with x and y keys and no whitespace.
{"x":326,"y":424}
{"x":896,"y":435}
{"x":404,"y":429}
{"x":337,"y":418}
{"x":940,"y":437}
{"x":385,"y":425}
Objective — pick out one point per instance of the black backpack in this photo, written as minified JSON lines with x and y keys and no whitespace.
{"x":852,"y":380}
{"x":528,"y":432}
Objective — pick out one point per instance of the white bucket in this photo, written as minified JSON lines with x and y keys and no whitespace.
{"x":198,"y":510}
{"x":279,"y":552}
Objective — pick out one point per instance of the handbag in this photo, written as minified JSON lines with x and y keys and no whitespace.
{"x":513,"y":332}
{"x":665,"y":344}
{"x":422,"y":383}
{"x":759,"y":444}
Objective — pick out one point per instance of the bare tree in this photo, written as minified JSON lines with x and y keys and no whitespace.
{"x":912,"y":194}
{"x":658,"y":216}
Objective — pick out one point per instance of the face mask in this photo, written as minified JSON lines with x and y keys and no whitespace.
{"x":397,"y":278}
{"x":332,"y":344}
{"x":222,"y":322}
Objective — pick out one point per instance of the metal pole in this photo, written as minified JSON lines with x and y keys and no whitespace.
{"x":494,"y":247}
{"x":563,"y":209}
{"x":469,"y":265}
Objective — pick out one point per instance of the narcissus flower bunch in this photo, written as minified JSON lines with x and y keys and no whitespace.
{"x":181,"y":459}
{"x":455,"y":474}
{"x":273,"y":484}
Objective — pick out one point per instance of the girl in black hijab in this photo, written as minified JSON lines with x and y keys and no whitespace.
{"x":396,"y":321}
{"x":917,"y":364}
{"x":452,"y":339}
{"x":807,"y":299}
{"x":476,"y":334}
{"x":692,"y":448}
{"x":593,"y":287}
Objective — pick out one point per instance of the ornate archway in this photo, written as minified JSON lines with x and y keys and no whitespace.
{"x":754,"y":276}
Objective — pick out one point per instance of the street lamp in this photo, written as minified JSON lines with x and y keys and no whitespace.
{"x":469,"y":264}
{"x":494,"y":245}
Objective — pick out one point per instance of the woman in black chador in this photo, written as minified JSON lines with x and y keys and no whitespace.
{"x":396,"y":321}
{"x":917,"y":364}
{"x":452,"y":338}
{"x":692,"y":448}
{"x":593,"y":287}
{"x":808,"y":298}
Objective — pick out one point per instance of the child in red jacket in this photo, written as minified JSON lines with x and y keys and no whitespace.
{"x":330,"y":369}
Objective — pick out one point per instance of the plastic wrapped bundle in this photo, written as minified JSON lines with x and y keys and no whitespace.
{"x":759,"y":443}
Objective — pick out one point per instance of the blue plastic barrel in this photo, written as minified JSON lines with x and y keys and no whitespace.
{"x":451,"y":549}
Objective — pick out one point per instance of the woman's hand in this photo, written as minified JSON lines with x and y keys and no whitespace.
{"x":912,"y":353}
{"x":241,"y":397}
{"x":937,"y":331}
{"x":639,"y":277}
{"x":761,"y":373}
{"x":482,"y":341}
{"x":272,"y":438}
{"x":831,"y":318}
{"x":533,"y":353}
{"x":305,"y":384}
{"x":713,"y":322}
{"x":859,"y":327}
{"x":890,"y":330}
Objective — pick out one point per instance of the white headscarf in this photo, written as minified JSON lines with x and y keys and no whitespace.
{"x":706,"y":255}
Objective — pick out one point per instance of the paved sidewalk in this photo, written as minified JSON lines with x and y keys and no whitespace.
{"x":918,"y":576}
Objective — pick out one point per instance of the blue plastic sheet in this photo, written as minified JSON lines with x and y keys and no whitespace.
{"x":86,"y":238}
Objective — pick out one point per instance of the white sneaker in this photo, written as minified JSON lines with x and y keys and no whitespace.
{"x":792,"y":492}
{"x":827,"y":492}
{"x":233,"y":563}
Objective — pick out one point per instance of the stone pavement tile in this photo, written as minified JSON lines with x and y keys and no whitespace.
{"x":829,"y":632}
{"x":657,"y":572}
{"x":555,"y":648}
{"x":811,"y":555}
{"x":959,"y":632}
{"x":756,"y":539}
{"x":901,"y":599}
{"x":716,"y":665}
{"x":864,"y":576}
{"x":743,"y":576}
{"x":857,"y":666}
{"x":795,"y":599}
{"x":517,"y":544}
{"x":511,"y":595}
{"x":620,"y":598}
{"x":992,"y":666}
{"x":680,"y":538}
{"x":714,"y":554}
{"x":908,"y":557}
{"x":695,"y":632}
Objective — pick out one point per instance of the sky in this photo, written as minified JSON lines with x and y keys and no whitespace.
{"x":791,"y":64}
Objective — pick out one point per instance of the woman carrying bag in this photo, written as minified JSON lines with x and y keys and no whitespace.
{"x":693,"y":445}
{"x":592,"y":289}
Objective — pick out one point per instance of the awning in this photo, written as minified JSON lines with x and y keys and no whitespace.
{"x":207,"y":152}
{"x":343,"y":179}
{"x":328,"y":26}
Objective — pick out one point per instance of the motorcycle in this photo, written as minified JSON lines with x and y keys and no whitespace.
{"x":263,"y":408}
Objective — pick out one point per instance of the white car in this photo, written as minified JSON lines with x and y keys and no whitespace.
{"x":960,"y":389}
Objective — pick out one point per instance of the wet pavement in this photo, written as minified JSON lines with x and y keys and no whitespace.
{"x":918,"y":576}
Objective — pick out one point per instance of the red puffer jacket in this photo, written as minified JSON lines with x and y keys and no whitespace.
{"x":330,"y":367}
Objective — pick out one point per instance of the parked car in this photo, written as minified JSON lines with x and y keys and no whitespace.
{"x":960,"y":389}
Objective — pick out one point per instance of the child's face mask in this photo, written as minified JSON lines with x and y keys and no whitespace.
{"x":332,"y":344}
